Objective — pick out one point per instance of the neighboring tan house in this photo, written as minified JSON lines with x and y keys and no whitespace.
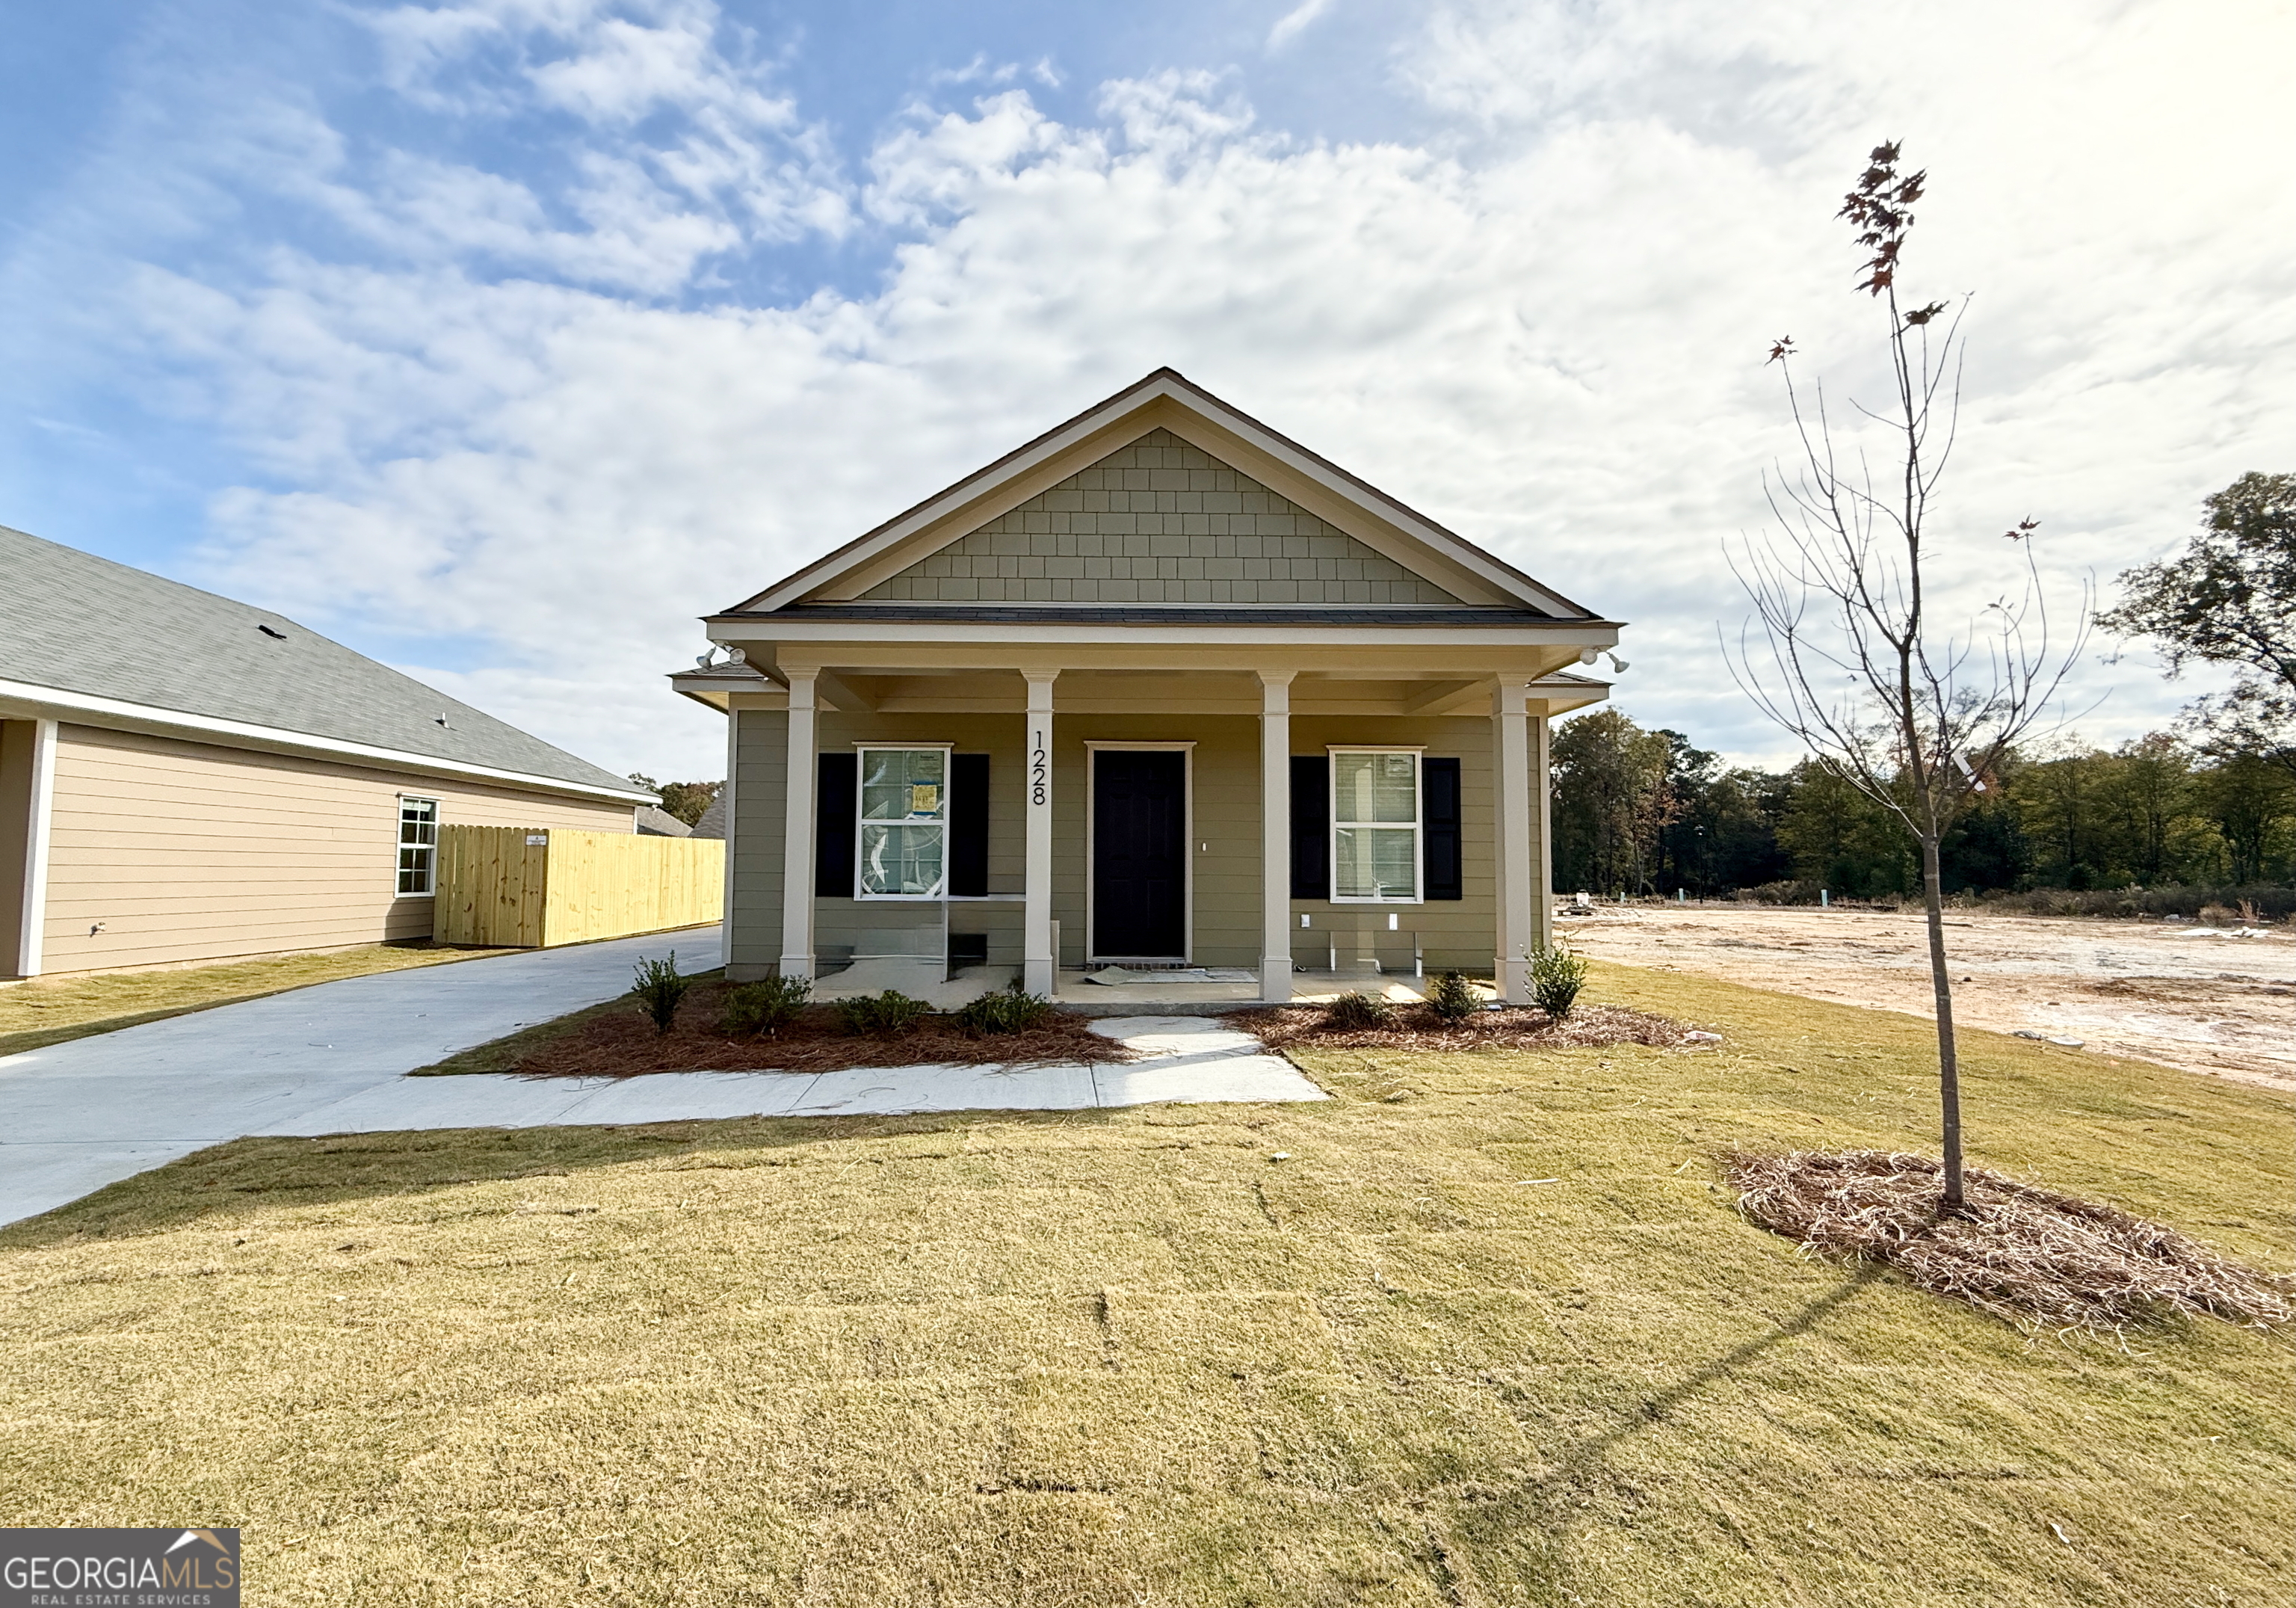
{"x":1160,"y":688}
{"x":183,"y":777}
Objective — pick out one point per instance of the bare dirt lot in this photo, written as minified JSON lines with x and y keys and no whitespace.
{"x":2153,"y":989}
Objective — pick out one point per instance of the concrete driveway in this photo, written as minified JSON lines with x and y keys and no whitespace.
{"x":76,"y":1116}
{"x":332,"y":1059}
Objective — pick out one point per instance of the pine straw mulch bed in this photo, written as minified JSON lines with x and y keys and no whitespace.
{"x":620,"y":1041}
{"x":1416,"y":1027}
{"x":2031,"y":1256}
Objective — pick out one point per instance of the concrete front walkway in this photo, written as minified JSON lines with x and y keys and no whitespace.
{"x":76,"y":1116}
{"x":331,"y":1059}
{"x":1186,"y":1059}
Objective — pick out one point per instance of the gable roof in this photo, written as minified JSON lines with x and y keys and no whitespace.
{"x":1158,"y":520}
{"x":1453,"y":567}
{"x":75,"y":624}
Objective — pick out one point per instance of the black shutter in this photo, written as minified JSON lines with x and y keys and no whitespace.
{"x":968,"y":824}
{"x":1311,"y":826}
{"x":834,"y":800}
{"x":1439,"y":780}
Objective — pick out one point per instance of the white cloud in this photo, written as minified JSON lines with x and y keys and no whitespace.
{"x":1546,"y":331}
{"x":1292,"y":23}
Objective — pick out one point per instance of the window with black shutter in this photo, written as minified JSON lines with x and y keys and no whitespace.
{"x":1439,"y":778}
{"x":833,"y":806}
{"x":1311,"y":826}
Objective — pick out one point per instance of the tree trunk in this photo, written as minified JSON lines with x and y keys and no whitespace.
{"x":1941,"y":984}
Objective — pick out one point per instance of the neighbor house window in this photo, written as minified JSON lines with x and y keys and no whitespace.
{"x":904,"y":826}
{"x":1375,"y":822}
{"x":418,"y":845}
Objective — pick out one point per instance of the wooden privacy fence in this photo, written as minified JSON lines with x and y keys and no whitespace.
{"x":517,"y":887}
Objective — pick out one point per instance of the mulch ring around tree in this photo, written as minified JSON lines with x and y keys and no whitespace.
{"x":2038,"y":1259}
{"x":620,"y":1041}
{"x":1416,"y":1027}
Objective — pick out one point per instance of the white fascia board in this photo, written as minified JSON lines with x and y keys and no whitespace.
{"x":87,"y":709}
{"x":1596,"y":634}
{"x":1494,"y":572}
{"x":1166,"y":387}
{"x":857,"y":554}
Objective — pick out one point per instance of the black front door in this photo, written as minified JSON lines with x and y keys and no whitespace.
{"x":1139,"y":854}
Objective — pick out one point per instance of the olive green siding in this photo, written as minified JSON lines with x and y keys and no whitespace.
{"x":754,"y":843}
{"x":1223,"y":835}
{"x":1160,"y":521}
{"x":1446,"y":933}
{"x":842,"y":925}
{"x":1223,"y":845}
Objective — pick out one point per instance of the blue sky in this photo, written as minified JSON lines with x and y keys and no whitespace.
{"x":501,"y":338}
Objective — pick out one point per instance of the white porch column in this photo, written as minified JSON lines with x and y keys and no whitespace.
{"x":1513,"y":814}
{"x":1542,"y":852}
{"x":1276,"y":836}
{"x":1040,"y":964}
{"x":725,"y":796}
{"x":39,"y":809}
{"x":797,"y":848}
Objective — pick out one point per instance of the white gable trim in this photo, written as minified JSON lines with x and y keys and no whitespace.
{"x":1169,"y":401}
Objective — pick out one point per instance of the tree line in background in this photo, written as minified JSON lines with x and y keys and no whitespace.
{"x":2209,"y":810}
{"x":1644,"y":812}
{"x":689,"y":801}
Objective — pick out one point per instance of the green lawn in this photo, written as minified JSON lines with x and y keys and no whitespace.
{"x":50,"y":1010}
{"x":1131,"y":1357}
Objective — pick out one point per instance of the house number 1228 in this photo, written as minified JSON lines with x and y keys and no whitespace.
{"x":1039,"y":775}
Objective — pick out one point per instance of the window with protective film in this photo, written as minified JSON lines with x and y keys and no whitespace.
{"x":904,"y":823}
{"x":1375,"y":826}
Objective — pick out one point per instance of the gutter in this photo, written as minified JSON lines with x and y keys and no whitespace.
{"x":105,"y":710}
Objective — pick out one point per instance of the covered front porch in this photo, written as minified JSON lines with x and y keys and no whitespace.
{"x":1133,"y":835}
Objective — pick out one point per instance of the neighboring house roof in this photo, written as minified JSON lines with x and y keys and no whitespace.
{"x":1303,"y":533}
{"x":655,"y":821}
{"x":712,"y":823}
{"x":108,"y":639}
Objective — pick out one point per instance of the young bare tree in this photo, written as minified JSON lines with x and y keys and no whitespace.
{"x":1848,"y":657}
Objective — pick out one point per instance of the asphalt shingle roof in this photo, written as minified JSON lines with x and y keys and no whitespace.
{"x":79,"y":623}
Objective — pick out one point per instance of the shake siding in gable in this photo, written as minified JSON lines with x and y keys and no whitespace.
{"x":186,"y":851}
{"x":1160,"y":521}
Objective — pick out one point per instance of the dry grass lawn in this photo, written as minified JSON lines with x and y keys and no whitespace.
{"x":1492,"y":1334}
{"x":45,"y":1010}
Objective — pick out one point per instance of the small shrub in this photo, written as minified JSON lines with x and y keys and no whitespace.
{"x":1451,"y":1000}
{"x":1012,"y":1010}
{"x":887,"y":1016}
{"x":661,"y":989}
{"x":1556,"y":976}
{"x":1352,"y":1013}
{"x":766,"y":1007}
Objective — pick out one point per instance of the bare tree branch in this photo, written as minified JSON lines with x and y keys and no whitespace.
{"x":1841,"y":649}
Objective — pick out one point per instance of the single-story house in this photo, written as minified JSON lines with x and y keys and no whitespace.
{"x":1160,"y":689}
{"x":184,"y":778}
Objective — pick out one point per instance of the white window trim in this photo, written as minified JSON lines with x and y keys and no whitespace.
{"x":948,"y":818}
{"x":1418,"y":752}
{"x":1092,"y":747}
{"x":399,"y":845}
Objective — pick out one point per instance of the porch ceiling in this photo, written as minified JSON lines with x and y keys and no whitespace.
{"x":920,"y":690}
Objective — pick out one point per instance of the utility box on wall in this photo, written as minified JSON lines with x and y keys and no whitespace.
{"x":514,"y":887}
